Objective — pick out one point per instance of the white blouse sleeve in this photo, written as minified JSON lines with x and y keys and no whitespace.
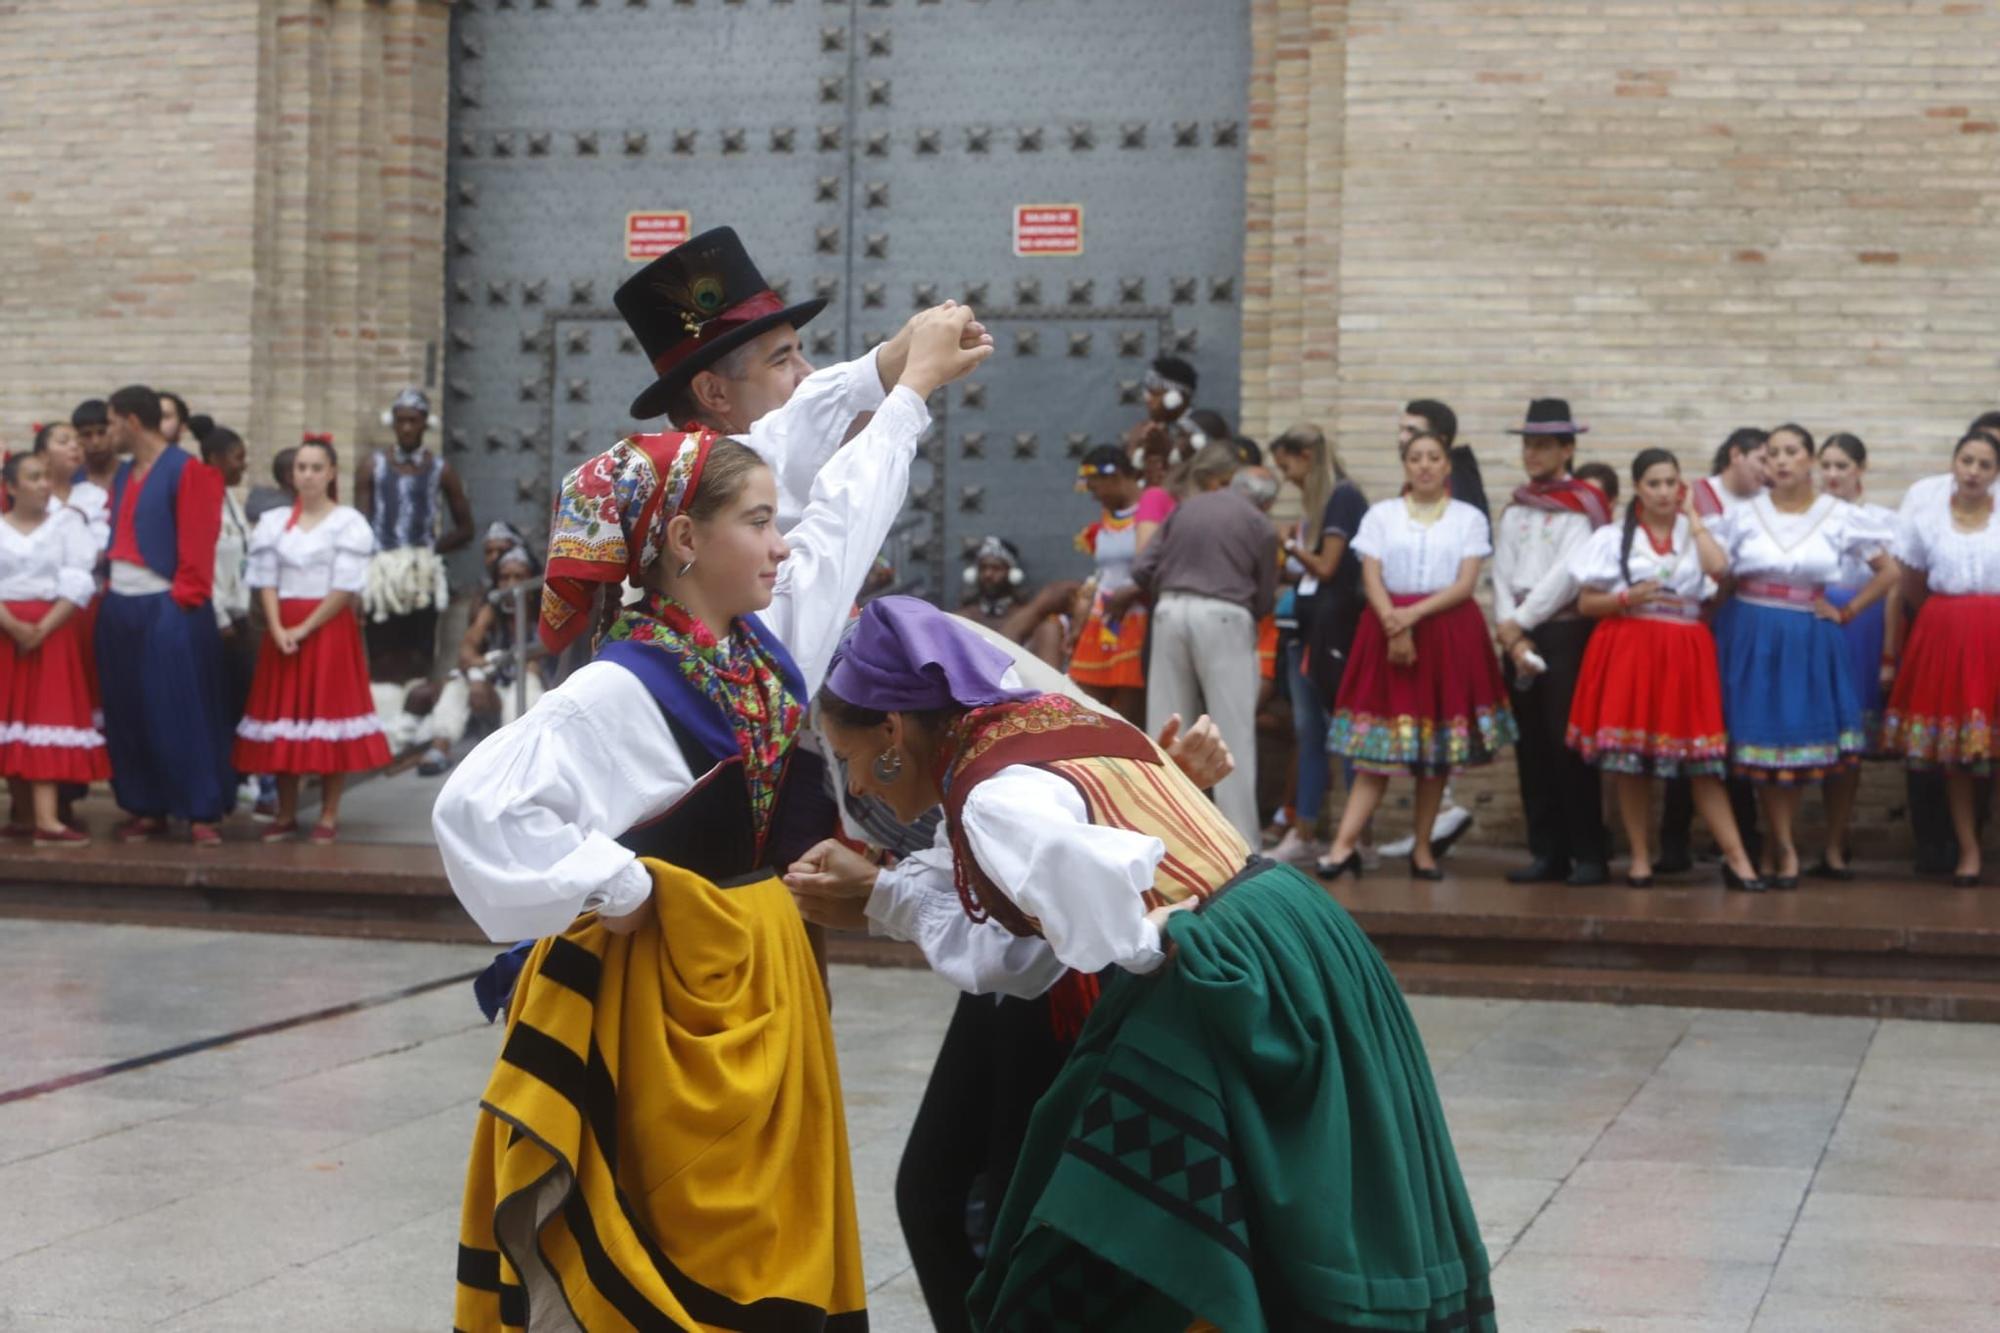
{"x":1474,"y":535}
{"x":797,"y":439}
{"x":260,"y":569}
{"x":916,"y":900}
{"x":1032,"y":835}
{"x":1594,"y":564}
{"x":1865,"y":533}
{"x":76,"y":559}
{"x":1372,"y":539}
{"x":353,"y":543}
{"x":528,"y":822}
{"x":855,"y":498}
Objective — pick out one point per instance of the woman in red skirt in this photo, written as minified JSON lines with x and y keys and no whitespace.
{"x":1422,"y":691}
{"x":310,"y":709}
{"x":47,"y":736}
{"x":1648,"y":700}
{"x":1947,"y":692}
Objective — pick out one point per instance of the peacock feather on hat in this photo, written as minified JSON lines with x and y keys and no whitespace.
{"x":696,"y":296}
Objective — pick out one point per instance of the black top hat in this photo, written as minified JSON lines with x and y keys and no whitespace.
{"x":1549,"y":416}
{"x":696,"y":304}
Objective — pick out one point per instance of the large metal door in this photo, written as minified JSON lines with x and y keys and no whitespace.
{"x":873,"y":151}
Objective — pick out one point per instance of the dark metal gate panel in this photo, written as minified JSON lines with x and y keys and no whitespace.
{"x":872,"y":151}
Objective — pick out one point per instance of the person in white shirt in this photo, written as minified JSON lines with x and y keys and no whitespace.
{"x":1649,"y":699}
{"x":310,"y":711}
{"x":1793,"y":716}
{"x":1843,"y":469}
{"x":1936,"y":848}
{"x":1273,"y":1024}
{"x":1552,"y":515}
{"x":1947,"y":692}
{"x":47,"y":735}
{"x":1422,"y":691}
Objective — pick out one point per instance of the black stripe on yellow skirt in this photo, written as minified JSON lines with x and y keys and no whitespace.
{"x":568,"y":963}
{"x":588,"y":1087}
{"x":480,"y":1270}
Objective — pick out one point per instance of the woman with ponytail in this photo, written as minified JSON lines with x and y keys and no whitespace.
{"x":310,"y":710}
{"x":1648,"y":699}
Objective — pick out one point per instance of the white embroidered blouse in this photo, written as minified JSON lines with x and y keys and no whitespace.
{"x":301,"y":562}
{"x":54,"y":562}
{"x":1421,"y":558}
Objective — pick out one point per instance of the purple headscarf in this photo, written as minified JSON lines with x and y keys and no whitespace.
{"x":906,"y":656}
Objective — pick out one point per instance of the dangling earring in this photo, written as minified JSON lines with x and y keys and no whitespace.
{"x":888,"y":766}
{"x":682,"y":572}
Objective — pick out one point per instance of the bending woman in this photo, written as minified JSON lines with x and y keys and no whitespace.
{"x":1247,"y":1132}
{"x":662,"y":1142}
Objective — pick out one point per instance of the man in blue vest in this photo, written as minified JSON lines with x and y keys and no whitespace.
{"x":159,"y":655}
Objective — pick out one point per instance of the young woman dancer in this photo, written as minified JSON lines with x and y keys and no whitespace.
{"x":1422,"y":691}
{"x":310,"y":710}
{"x":1871,"y":624}
{"x":47,"y":735}
{"x":1248,"y":1037}
{"x":1793,"y":715}
{"x":1648,"y":700}
{"x":1947,"y":692}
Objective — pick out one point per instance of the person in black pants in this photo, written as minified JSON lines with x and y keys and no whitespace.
{"x":999,"y":1055}
{"x":1542,"y":639}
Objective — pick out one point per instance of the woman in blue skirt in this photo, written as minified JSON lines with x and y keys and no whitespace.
{"x":1872,"y":625}
{"x":1794,"y":715}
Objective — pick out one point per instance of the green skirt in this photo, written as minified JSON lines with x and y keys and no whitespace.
{"x":1249,"y":1136}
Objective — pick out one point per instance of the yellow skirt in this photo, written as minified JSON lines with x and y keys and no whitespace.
{"x":662,"y":1144}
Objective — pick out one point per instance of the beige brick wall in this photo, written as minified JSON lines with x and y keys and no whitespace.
{"x":241,"y":200}
{"x":1682,"y":218}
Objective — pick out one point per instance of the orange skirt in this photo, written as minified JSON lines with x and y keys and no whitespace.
{"x":1107,"y":658}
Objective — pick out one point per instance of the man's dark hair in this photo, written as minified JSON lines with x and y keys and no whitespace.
{"x":1985,"y":421}
{"x":1177,"y":370}
{"x":217,"y":441}
{"x":180,"y":405}
{"x":1440,"y":418}
{"x":1601,"y":475}
{"x":90,"y":412}
{"x":140,"y":403}
{"x":281,"y":467}
{"x":1741,"y":441}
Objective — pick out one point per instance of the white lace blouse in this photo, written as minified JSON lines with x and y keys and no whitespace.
{"x":1956,"y":564}
{"x":52,"y":562}
{"x":1416,"y":558}
{"x":1805,"y":548}
{"x":309,"y":563}
{"x":1594,"y":564}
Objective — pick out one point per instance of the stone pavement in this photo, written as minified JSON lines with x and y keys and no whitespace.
{"x":1634,"y":1168}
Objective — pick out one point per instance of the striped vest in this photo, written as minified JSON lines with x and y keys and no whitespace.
{"x":1125,"y":781}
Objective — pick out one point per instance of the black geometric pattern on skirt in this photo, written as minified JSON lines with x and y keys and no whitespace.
{"x":1165,"y":1155}
{"x":1074,"y":1290}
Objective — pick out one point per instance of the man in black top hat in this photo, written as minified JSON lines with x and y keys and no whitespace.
{"x":1533,"y":595}
{"x":725,"y":349}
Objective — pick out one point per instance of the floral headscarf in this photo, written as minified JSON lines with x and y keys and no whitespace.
{"x":610,"y":522}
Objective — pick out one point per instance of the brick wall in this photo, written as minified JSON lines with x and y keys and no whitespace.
{"x":1681,"y":218}
{"x":241,"y":200}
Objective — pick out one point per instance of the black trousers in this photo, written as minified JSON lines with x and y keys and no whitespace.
{"x":1560,"y":794}
{"x":997,"y":1060}
{"x":1677,"y":817}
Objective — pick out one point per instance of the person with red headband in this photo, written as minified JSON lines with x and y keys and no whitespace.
{"x":309,"y":709}
{"x":662,"y":1142}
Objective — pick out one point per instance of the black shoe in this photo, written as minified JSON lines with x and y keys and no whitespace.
{"x":1329,"y":870}
{"x":1673,"y":860}
{"x":1827,"y":870}
{"x":1964,"y":881}
{"x":1633,"y":881}
{"x":1587,"y":874}
{"x":1735,"y":881}
{"x":1786,"y":882}
{"x":1541,"y":870}
{"x":1431,"y":873}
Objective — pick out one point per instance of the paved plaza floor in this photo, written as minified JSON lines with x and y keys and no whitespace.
{"x":1634,"y":1168}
